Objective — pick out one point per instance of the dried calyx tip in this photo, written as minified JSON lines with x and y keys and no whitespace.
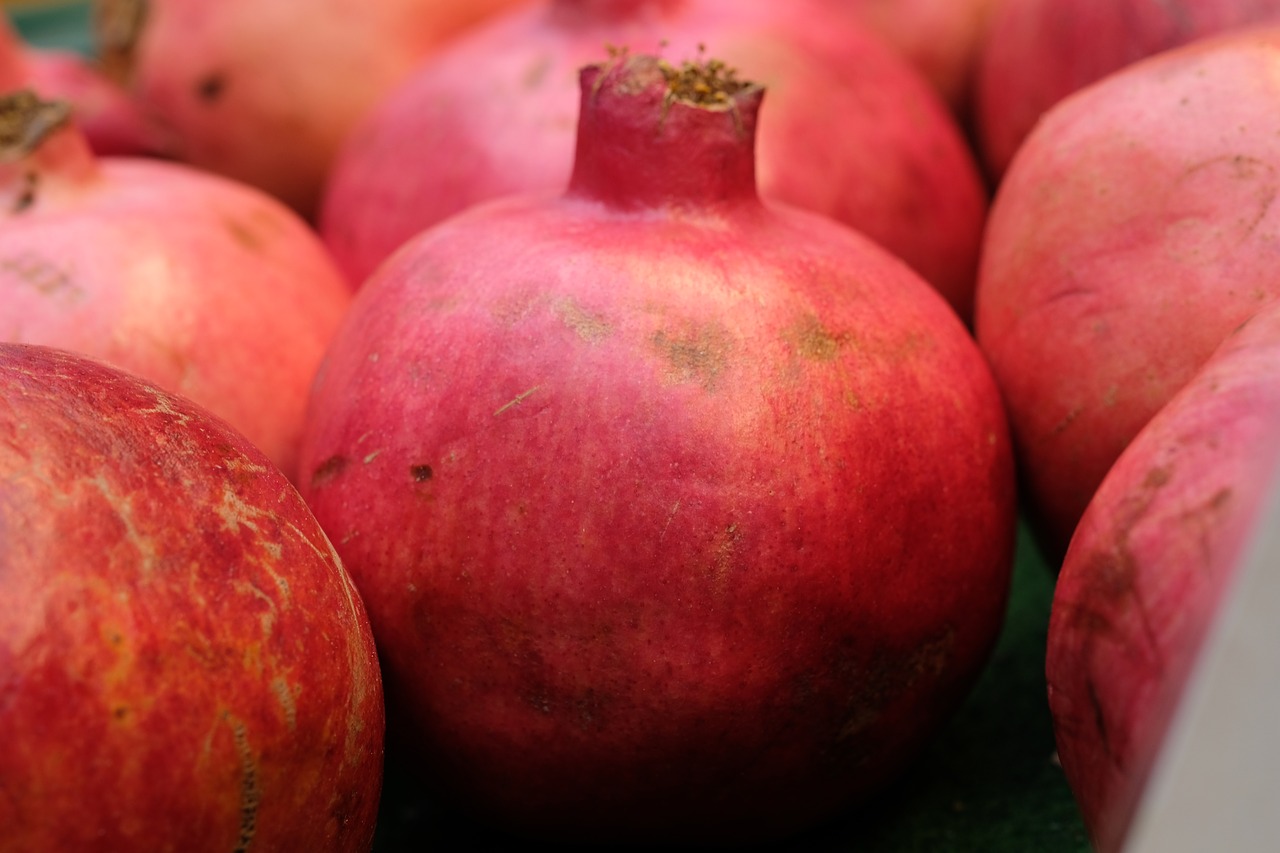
{"x":25,"y":121}
{"x":703,"y":83}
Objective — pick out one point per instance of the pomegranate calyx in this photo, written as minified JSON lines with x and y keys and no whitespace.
{"x":651,"y":134}
{"x":26,"y":121}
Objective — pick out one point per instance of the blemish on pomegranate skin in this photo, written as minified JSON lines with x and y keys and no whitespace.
{"x":328,"y":470}
{"x":814,"y":341}
{"x":25,"y":198}
{"x":250,"y":793}
{"x":244,"y":236}
{"x":421,"y":473}
{"x":697,"y":357}
{"x":211,"y":87}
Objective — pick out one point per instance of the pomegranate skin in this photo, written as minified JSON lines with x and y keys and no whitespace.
{"x":941,"y":38}
{"x":263,"y":91}
{"x":1149,"y":566}
{"x":677,"y":516}
{"x":850,"y":130}
{"x":184,"y":663}
{"x":1133,"y":233}
{"x":208,"y":288}
{"x":1038,"y":52}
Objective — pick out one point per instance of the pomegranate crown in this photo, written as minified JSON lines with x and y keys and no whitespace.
{"x":653,"y":133}
{"x":25,"y":122}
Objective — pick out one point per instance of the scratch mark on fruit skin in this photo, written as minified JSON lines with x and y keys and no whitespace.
{"x":670,"y":516}
{"x":515,"y":402}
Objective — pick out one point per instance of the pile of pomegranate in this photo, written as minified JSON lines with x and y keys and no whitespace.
{"x":621,"y":409}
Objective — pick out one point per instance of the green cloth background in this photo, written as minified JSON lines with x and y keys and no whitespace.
{"x":988,"y":782}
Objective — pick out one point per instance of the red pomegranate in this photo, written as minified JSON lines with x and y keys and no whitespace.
{"x":1132,"y":234}
{"x":208,"y":288}
{"x":1148,"y":568}
{"x":1039,"y":51}
{"x":264,"y":91}
{"x":184,"y":664}
{"x":677,"y":514}
{"x":849,"y":129}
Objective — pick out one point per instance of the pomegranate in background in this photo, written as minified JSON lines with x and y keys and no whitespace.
{"x":1039,"y":51}
{"x":112,"y":123}
{"x":849,"y":129}
{"x":265,"y":90}
{"x":185,"y":664}
{"x":1149,"y":566}
{"x":691,"y":513}
{"x":208,"y":288}
{"x":1133,"y":233}
{"x":941,"y":38}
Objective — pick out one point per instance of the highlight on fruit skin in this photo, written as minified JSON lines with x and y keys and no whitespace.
{"x":630,"y":479}
{"x":186,"y":665}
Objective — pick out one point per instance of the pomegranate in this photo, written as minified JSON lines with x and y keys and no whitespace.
{"x":112,"y":123}
{"x":184,"y":663}
{"x":941,"y":38}
{"x":850,"y":130}
{"x":208,"y":288}
{"x":632,"y":480}
{"x":1133,"y":232}
{"x":264,"y":90}
{"x":1039,"y":51}
{"x":1148,"y":567}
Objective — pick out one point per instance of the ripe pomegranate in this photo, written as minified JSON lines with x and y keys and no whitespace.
{"x":1148,"y":568}
{"x":264,"y":91}
{"x":635,"y":479}
{"x":850,"y":130}
{"x":1132,"y":234}
{"x":112,"y":123}
{"x":208,"y":288}
{"x":1039,"y":51}
{"x":184,"y":664}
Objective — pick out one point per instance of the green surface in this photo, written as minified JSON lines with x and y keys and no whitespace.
{"x":988,"y":782}
{"x":61,"y":25}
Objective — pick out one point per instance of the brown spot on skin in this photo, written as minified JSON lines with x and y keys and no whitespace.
{"x":1157,"y":477}
{"x":700,"y":356}
{"x":421,"y":473}
{"x":245,"y":236}
{"x":590,"y":327}
{"x":25,"y":198}
{"x":328,"y":470}
{"x":814,"y":341}
{"x":211,"y":87}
